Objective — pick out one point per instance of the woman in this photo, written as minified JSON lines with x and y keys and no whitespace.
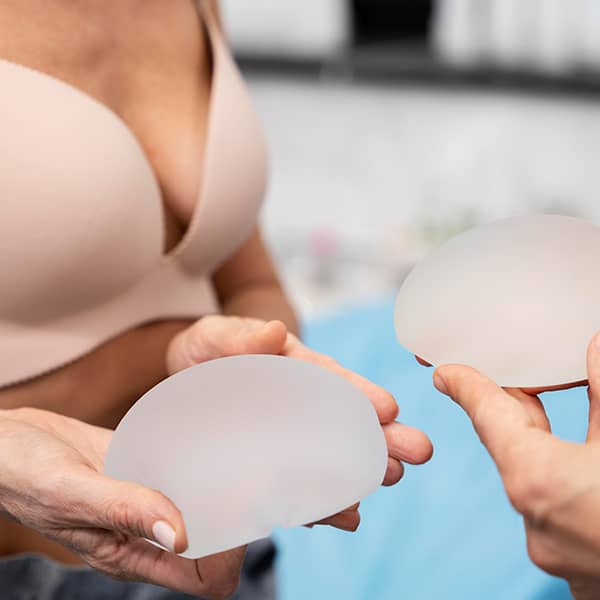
{"x":554,"y":484}
{"x":132,"y":170}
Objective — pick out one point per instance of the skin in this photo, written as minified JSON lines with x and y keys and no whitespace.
{"x":554,"y":484}
{"x":52,"y":478}
{"x":43,"y":453}
{"x":156,"y":77}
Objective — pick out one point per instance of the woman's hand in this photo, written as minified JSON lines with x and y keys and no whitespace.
{"x":218,"y":336}
{"x":51,"y":481}
{"x":554,"y":484}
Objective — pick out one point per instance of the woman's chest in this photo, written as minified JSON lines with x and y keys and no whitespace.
{"x":152,"y":69}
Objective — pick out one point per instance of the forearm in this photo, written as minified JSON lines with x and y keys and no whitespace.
{"x":262,"y":301}
{"x":248,"y":285}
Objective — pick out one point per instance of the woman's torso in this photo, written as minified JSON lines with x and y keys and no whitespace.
{"x":149,"y":62}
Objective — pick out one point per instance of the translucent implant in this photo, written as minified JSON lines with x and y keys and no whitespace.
{"x":249,"y":443}
{"x":518,"y":299}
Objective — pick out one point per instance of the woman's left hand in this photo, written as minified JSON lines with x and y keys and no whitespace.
{"x":217,"y":336}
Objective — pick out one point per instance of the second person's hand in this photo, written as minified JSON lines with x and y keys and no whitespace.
{"x":554,"y":484}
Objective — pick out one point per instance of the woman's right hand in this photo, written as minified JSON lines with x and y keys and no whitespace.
{"x":51,"y":480}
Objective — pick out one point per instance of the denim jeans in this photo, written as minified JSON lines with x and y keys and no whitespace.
{"x":34,"y":577}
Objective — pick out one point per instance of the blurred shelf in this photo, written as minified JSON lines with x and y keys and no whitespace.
{"x":409,"y":63}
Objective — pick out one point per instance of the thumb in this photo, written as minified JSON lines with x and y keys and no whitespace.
{"x":498,"y":418}
{"x":593,"y":369}
{"x":130,"y":509}
{"x":218,"y":336}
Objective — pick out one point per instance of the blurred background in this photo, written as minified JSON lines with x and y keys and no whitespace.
{"x":392,"y":125}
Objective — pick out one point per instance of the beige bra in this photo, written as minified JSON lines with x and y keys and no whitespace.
{"x":81,"y":219}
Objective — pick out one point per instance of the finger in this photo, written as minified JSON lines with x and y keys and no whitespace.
{"x":220,"y":573}
{"x":500,"y":420}
{"x":218,"y":336}
{"x":215,"y":576}
{"x":555,"y":388}
{"x":384,"y":403}
{"x":127,"y":508}
{"x":345,"y":520}
{"x":352,"y":508}
{"x":407,"y":444}
{"x":269,"y":338}
{"x":393,"y":473}
{"x":533,"y":405}
{"x":593,"y":367}
{"x":423,"y":362}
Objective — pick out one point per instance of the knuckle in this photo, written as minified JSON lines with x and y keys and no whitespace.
{"x":528,"y":493}
{"x":531,"y":488}
{"x":536,"y":553}
{"x":108,"y":566}
{"x":190,"y":340}
{"x":542,"y":556}
{"x":122,"y":516}
{"x":109,"y":554}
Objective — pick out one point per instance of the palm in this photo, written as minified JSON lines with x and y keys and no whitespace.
{"x":58,"y":470}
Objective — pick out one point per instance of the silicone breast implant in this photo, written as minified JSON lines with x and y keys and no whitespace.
{"x":516,"y":299}
{"x":249,"y":443}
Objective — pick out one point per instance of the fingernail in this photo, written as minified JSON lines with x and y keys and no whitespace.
{"x":440,"y":384}
{"x":597,"y":341}
{"x":164,"y":534}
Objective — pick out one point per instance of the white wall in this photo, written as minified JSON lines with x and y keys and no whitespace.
{"x":306,"y":28}
{"x":364,"y":180}
{"x":548,"y":35}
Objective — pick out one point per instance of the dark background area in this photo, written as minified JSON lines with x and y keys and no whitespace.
{"x":390,"y":20}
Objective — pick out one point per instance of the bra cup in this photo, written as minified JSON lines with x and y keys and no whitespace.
{"x":81,"y":217}
{"x":80,"y":209}
{"x":234,"y":173}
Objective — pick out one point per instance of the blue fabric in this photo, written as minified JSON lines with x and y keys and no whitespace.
{"x":447,"y":530}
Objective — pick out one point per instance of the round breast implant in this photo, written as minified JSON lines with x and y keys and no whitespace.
{"x":516,"y":299}
{"x":249,"y":443}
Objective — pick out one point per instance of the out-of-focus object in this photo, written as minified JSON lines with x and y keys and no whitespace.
{"x":589,"y":49}
{"x":516,"y":299}
{"x":537,"y":34}
{"x":557,"y":32}
{"x":511,"y":25}
{"x":249,"y":443}
{"x":459,"y":31}
{"x":325,"y":251}
{"x":553,"y":37}
{"x":308,"y":29}
{"x":389,"y":21}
